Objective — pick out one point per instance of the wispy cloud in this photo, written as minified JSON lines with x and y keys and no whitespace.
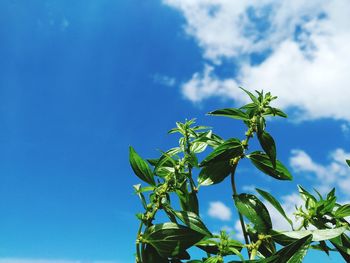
{"x":334,"y":174}
{"x":219,"y":211}
{"x":164,"y":80}
{"x":304,"y":45}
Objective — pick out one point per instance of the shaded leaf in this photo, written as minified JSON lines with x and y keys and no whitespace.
{"x":170,"y":239}
{"x":140,"y":167}
{"x":188,"y":201}
{"x":275,"y":112}
{"x":263,"y":163}
{"x":229,"y":149}
{"x":193,"y":221}
{"x":252,"y":208}
{"x":268,"y":145}
{"x":293,"y":253}
{"x":214,"y":172}
{"x":151,"y":255}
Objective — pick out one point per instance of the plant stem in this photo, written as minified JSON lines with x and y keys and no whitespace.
{"x":188,"y":153}
{"x":138,"y":255}
{"x":233,"y":184}
{"x":248,"y":134}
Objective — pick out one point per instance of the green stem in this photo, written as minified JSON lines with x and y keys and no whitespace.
{"x":138,"y":254}
{"x":233,"y":184}
{"x":248,"y":134}
{"x":188,"y":153}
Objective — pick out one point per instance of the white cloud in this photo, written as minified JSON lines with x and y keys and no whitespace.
{"x":334,"y":174}
{"x":27,"y":260}
{"x":249,"y":188}
{"x":164,"y":80}
{"x":306,"y":44}
{"x":219,"y":210}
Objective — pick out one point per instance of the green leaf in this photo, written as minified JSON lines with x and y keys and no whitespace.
{"x":229,"y":149}
{"x":252,"y":208}
{"x":264,"y":164}
{"x":188,"y":201}
{"x":170,"y":239}
{"x":273,"y":201}
{"x":231,"y":113}
{"x":198,"y":147}
{"x":348,"y":162}
{"x":214,"y":173}
{"x":317,"y":235}
{"x":293,"y":253}
{"x":342,"y":244}
{"x":252,"y":97}
{"x":151,"y":255}
{"x":215,"y":259}
{"x":192,"y":221}
{"x":310,"y":200}
{"x":275,"y":112}
{"x":268,"y":145}
{"x":267,"y":248}
{"x":342,"y":211}
{"x":209,"y":245}
{"x":140,"y":167}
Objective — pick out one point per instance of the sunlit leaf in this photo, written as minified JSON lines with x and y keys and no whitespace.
{"x":140,"y":167}
{"x":264,"y":164}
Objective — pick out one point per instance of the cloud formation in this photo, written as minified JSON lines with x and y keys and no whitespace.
{"x":219,"y":211}
{"x":303,"y":46}
{"x":334,"y":174}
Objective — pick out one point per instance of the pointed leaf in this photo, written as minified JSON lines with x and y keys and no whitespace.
{"x":273,"y":201}
{"x":348,"y":162}
{"x":268,"y":145}
{"x":231,"y":113}
{"x":192,"y":221}
{"x":229,"y":149}
{"x":252,"y":97}
{"x":293,"y":253}
{"x":342,"y":211}
{"x":151,"y":255}
{"x":252,"y":208}
{"x":214,"y":173}
{"x":263,"y":163}
{"x":140,"y":167}
{"x":317,"y":235}
{"x":170,"y":239}
{"x":275,"y":112}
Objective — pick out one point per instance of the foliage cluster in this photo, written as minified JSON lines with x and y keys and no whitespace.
{"x":178,"y":173}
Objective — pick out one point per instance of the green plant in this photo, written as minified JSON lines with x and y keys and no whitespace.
{"x":177,"y":173}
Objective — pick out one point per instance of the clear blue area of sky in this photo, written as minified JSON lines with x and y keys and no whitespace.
{"x":77,"y":87}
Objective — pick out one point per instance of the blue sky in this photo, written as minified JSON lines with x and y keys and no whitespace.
{"x":80,"y":81}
